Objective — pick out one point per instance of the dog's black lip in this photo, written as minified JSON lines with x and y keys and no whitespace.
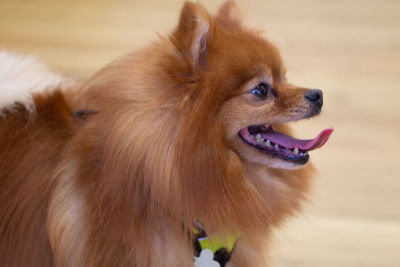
{"x":254,"y":129}
{"x":296,"y":159}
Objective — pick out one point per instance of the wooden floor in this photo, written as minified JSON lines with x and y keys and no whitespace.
{"x":350,"y":48}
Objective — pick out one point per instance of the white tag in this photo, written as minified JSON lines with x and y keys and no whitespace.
{"x":206,"y":259}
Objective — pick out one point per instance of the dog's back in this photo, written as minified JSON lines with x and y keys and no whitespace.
{"x":31,"y":143}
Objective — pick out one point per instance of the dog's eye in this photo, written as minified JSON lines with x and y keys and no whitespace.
{"x":261,"y":91}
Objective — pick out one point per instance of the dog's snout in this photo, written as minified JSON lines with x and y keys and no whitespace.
{"x":315,"y":96}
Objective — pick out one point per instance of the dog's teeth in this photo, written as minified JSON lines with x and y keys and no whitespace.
{"x":268,"y":143}
{"x":295,"y":150}
{"x":263,"y":141}
{"x":258,"y":138}
{"x":276,"y":147}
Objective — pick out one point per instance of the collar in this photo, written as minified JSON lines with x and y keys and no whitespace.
{"x":212,"y":248}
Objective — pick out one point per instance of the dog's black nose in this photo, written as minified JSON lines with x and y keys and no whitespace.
{"x":315,"y":97}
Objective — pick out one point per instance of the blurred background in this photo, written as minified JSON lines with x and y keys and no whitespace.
{"x":349,"y":48}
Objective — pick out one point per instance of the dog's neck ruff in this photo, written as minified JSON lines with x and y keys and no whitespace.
{"x":212,"y":250}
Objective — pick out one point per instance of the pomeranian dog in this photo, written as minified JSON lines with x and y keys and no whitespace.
{"x":175,"y":155}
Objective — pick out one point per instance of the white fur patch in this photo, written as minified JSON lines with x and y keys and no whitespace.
{"x":21,"y":76}
{"x":67,"y":219}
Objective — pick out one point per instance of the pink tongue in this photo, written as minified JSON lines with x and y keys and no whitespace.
{"x":290,"y":142}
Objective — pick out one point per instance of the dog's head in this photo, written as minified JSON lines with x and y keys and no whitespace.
{"x":237,"y":80}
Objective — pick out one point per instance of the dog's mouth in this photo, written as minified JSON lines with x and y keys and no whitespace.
{"x":280,"y":145}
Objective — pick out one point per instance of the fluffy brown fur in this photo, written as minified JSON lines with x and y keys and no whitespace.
{"x":125,"y":187}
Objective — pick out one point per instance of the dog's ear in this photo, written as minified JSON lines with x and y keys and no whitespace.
{"x":229,"y":15}
{"x":192,"y":33}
